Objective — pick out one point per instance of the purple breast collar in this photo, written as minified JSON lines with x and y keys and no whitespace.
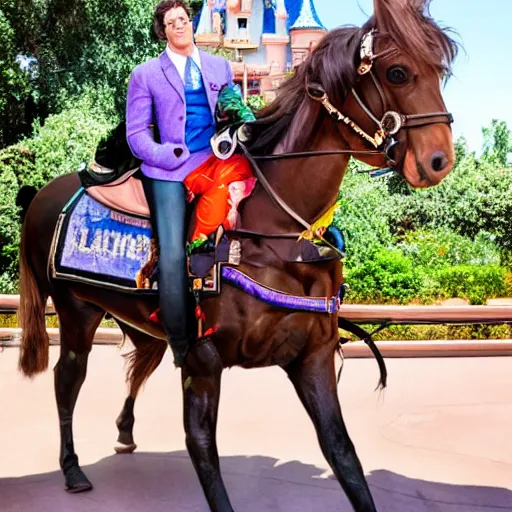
{"x":279,"y":299}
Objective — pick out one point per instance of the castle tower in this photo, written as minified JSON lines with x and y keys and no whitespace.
{"x":276,"y":41}
{"x":306,"y":30}
{"x":260,"y":33}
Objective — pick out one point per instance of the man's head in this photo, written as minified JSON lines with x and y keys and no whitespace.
{"x":171,"y":22}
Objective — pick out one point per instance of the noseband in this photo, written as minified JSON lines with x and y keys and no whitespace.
{"x":392,"y":122}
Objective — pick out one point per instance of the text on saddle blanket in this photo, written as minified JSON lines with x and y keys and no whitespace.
{"x":101,"y":244}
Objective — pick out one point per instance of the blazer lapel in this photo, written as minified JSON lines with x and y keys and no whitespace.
{"x":172,"y":75}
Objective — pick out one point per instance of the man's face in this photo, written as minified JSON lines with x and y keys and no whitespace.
{"x":178,"y":29}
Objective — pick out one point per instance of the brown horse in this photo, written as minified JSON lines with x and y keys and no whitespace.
{"x":333,"y":106}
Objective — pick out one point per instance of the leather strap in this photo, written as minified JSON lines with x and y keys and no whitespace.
{"x":271,"y":192}
{"x":246,"y":233}
{"x":306,"y":154}
{"x":415,"y":120}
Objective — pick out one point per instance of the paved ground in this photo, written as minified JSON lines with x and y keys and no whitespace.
{"x":438,"y":440}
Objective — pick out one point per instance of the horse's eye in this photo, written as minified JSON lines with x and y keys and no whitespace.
{"x":397,"y":75}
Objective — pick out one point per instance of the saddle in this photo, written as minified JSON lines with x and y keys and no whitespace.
{"x":111,"y":177}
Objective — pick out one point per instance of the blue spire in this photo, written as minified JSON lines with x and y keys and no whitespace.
{"x":306,"y":16}
{"x":293,"y":10}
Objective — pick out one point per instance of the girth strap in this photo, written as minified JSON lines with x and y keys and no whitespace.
{"x":277,"y":299}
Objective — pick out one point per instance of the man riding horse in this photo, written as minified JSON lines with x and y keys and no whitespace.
{"x":372,"y":92}
{"x":172,"y":99}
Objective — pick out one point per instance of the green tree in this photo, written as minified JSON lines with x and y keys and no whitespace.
{"x":62,"y":145}
{"x":14,"y":87}
{"x":497,"y":142}
{"x":461,"y":150}
{"x":80,"y":45}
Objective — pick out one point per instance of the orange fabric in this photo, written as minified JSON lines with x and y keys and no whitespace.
{"x":211,"y":181}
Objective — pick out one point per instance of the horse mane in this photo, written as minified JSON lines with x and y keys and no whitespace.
{"x":412,"y":30}
{"x":333,"y":65}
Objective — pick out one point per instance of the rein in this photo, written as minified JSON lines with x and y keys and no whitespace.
{"x":383,"y":140}
{"x":307,"y":154}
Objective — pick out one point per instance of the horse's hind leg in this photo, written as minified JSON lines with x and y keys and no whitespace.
{"x":142,"y":362}
{"x":315,"y":383}
{"x":78,"y":322}
{"x":124,"y":423}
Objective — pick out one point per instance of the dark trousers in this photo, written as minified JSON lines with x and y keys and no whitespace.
{"x":168,"y":205}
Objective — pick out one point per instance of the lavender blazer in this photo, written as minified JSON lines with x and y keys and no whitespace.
{"x":156,"y":94}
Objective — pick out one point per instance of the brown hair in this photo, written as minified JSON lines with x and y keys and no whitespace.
{"x":411,"y":29}
{"x":159,"y":15}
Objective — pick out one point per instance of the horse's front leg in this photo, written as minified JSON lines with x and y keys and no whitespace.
{"x":315,"y":382}
{"x":201,"y":378}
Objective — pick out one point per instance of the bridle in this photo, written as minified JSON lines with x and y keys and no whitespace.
{"x":391,"y":122}
{"x":382,"y":142}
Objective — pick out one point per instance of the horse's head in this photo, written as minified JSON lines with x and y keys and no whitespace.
{"x":386,"y":77}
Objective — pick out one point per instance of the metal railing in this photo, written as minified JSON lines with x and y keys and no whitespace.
{"x":361,"y":314}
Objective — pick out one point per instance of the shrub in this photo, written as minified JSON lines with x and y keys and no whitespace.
{"x":472,"y":282}
{"x":15,"y":162}
{"x":387,"y":276}
{"x":362,"y":215}
{"x":67,"y":140}
{"x":443,"y":247}
{"x":475,"y":197}
{"x":62,"y":145}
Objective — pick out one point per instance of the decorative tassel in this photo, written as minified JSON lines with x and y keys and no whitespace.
{"x":200,"y":313}
{"x":211,"y":331}
{"x":200,"y":317}
{"x":155,"y":317}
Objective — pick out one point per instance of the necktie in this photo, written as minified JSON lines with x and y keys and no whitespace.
{"x":192,"y":75}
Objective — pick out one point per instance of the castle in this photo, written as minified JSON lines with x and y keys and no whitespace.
{"x":269,"y":37}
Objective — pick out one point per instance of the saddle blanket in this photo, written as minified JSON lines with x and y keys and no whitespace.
{"x":99,"y":245}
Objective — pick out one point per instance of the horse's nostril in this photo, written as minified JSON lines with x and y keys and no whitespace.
{"x":439,"y":161}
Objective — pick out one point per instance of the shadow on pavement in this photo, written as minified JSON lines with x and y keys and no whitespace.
{"x":160,"y":482}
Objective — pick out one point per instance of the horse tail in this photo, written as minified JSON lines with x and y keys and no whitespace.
{"x":142,"y":362}
{"x":35,"y":344}
{"x":144,"y":359}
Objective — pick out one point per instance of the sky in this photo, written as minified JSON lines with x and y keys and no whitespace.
{"x":481,"y":88}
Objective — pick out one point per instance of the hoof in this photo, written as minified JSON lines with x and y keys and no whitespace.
{"x":76,"y":481}
{"x":125,"y":448}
